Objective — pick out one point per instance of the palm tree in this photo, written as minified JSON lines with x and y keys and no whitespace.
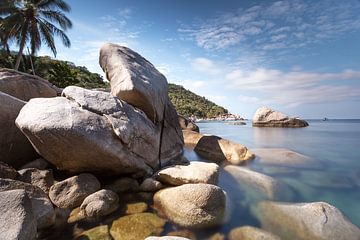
{"x":3,"y":39}
{"x":33,"y":22}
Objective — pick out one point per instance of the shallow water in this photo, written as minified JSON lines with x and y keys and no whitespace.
{"x":334,"y":144}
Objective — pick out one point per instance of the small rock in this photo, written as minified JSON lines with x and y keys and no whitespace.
{"x":150,"y":185}
{"x":266,"y":117}
{"x":137,"y":207}
{"x":96,"y":233}
{"x":259,"y":186}
{"x":192,"y":205}
{"x":41,"y":178}
{"x":195,"y":172}
{"x":42,"y":208}
{"x":76,"y":215}
{"x":217,"y":236}
{"x":39,"y":163}
{"x":218,"y":149}
{"x":251,"y":233}
{"x":166,"y":238}
{"x":71,"y":192}
{"x":7,"y":172}
{"x":100,"y":203}
{"x":142,"y":225}
{"x":183,"y":233}
{"x":318,"y":220}
{"x":122,"y":185}
{"x":191,"y":138}
{"x":187,"y":124}
{"x":17,"y":220}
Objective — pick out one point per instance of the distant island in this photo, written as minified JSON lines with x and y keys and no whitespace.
{"x":64,"y":73}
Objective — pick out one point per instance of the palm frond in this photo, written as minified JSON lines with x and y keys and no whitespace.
{"x":57,"y":17}
{"x":47,"y":36}
{"x":54,"y":4}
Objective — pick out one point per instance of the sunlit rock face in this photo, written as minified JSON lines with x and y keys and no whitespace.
{"x":136,"y":81}
{"x":266,"y":117}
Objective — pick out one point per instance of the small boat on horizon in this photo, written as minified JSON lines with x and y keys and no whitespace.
{"x":325,"y":119}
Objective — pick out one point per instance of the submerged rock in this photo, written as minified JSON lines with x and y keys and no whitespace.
{"x":15,"y":148}
{"x":71,"y":192}
{"x":166,"y":238}
{"x":42,"y":208}
{"x":135,"y":207}
{"x":318,"y":221}
{"x":192,"y":205}
{"x":191,"y":138}
{"x":266,"y":117}
{"x":150,"y":185}
{"x":284,"y":157}
{"x":259,"y":186}
{"x":251,"y":233}
{"x":123,"y":184}
{"x":187,"y":124}
{"x":66,"y":129}
{"x":41,"y":178}
{"x":100,"y":203}
{"x":25,"y":86}
{"x":96,"y":233}
{"x":195,"y":172}
{"x":218,"y":149}
{"x":7,"y":171}
{"x":137,"y":226}
{"x":17,"y":221}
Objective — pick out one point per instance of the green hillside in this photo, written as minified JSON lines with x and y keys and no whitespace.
{"x":63,"y":73}
{"x":189,"y":104}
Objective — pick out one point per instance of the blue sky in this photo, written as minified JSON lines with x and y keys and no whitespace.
{"x":300,"y":57}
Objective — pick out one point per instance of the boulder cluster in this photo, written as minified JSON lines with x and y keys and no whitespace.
{"x":78,"y":157}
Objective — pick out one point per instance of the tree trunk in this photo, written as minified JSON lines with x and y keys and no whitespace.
{"x":18,"y":58}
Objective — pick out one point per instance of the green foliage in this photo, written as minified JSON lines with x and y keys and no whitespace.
{"x":59,"y":73}
{"x":189,"y":104}
{"x":62,"y":74}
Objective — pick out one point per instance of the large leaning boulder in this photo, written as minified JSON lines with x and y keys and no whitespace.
{"x":15,"y":148}
{"x":192,"y":205}
{"x":25,"y":86}
{"x":318,"y":221}
{"x":266,"y":117}
{"x":91,"y":131}
{"x":136,"y":81}
{"x":17,"y":221}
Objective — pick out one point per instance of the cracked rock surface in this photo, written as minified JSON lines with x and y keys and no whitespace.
{"x":91,"y":131}
{"x":318,"y":221}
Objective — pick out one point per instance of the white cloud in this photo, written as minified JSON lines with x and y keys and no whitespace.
{"x":295,"y":87}
{"x":307,"y":23}
{"x":205,"y":65}
{"x":249,"y":99}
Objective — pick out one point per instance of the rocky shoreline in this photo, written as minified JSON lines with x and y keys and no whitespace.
{"x":111,"y":166}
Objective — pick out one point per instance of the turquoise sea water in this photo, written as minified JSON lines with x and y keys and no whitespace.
{"x":334,"y":144}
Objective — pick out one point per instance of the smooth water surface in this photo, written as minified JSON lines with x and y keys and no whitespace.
{"x":334,"y":144}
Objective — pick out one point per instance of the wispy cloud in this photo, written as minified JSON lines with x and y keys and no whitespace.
{"x":286,"y":24}
{"x":295,"y":87}
{"x":205,"y":65}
